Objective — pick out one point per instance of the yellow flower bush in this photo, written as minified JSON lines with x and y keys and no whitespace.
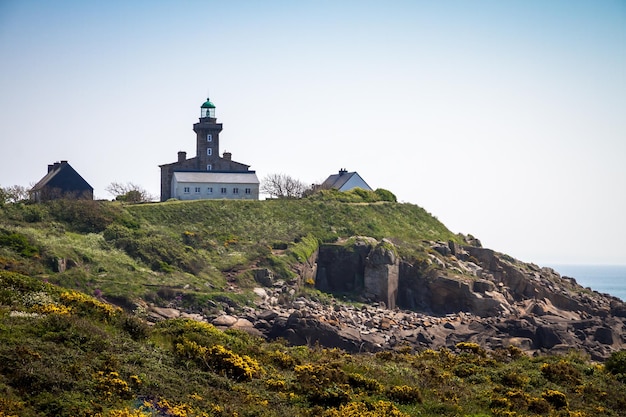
{"x":556,"y":398}
{"x":220,"y":359}
{"x":232,"y":365}
{"x":85,"y":304}
{"x":174,"y":410}
{"x":364,"y":383}
{"x":360,"y":409}
{"x":404,"y":394}
{"x":127,"y":413}
{"x":111,"y":385}
{"x":275,"y":384}
{"x":53,"y":309}
{"x":471,"y":347}
{"x":282,"y":359}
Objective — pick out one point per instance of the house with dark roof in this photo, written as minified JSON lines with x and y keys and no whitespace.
{"x":61,"y":181}
{"x":344,"y":181}
{"x":208,"y":175}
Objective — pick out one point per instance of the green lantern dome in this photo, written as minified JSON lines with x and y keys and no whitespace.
{"x":207,"y":109}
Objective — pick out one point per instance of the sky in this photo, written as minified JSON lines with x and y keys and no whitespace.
{"x":504,"y":119}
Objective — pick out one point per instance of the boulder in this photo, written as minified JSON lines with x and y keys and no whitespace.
{"x":224,"y":320}
{"x":604,"y":335}
{"x":547,"y":337}
{"x":166,"y":313}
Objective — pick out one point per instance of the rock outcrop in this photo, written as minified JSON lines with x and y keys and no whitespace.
{"x":457,"y":293}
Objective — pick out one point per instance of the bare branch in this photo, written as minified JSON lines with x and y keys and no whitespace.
{"x":128,"y":192}
{"x":282,"y":186}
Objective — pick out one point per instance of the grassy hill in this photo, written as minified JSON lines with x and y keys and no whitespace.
{"x":65,"y":350}
{"x":126,"y":252}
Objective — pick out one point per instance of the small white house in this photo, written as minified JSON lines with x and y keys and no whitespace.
{"x":208,"y":185}
{"x":344,"y":181}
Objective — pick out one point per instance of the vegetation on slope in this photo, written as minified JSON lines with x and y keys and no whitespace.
{"x":197,"y":251}
{"x":67,"y":354}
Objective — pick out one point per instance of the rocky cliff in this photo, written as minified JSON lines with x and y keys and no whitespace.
{"x":453,"y":293}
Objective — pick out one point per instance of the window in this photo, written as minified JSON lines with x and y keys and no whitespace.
{"x":209,"y":190}
{"x":186,"y":189}
{"x":223,"y":190}
{"x":197,"y":190}
{"x":209,"y":137}
{"x":209,"y":167}
{"x":209,"y":151}
{"x":235,"y":190}
{"x":248,"y":191}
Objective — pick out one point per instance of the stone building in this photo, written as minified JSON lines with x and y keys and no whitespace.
{"x":208,"y":175}
{"x":61,"y":181}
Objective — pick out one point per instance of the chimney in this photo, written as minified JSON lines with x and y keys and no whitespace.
{"x":50,"y":167}
{"x":56,"y":165}
{"x":342,"y":171}
{"x":228,"y":156}
{"x":182,"y":156}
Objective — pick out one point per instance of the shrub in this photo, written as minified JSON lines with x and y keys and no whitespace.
{"x":368,"y":384}
{"x":561,"y":372}
{"x":323,"y":384}
{"x":275,"y":384}
{"x":111,"y":385}
{"x":232,"y":365}
{"x":471,"y":347}
{"x":283,"y":359}
{"x":137,"y":328}
{"x":362,"y":409}
{"x":219,"y":359}
{"x":18,"y":242}
{"x":616,"y":364}
{"x":538,"y":405}
{"x":386,"y":195}
{"x":556,"y":398}
{"x":89,"y":306}
{"x":127,"y":413}
{"x":319,"y":375}
{"x":87,"y":216}
{"x":514,"y":378}
{"x":464,"y":370}
{"x":404,"y":394}
{"x":303,"y":249}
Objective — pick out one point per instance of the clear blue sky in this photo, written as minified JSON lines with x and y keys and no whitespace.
{"x":505,"y":119}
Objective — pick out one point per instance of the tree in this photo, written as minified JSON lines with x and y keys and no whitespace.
{"x":282,"y":186}
{"x":13,"y":194}
{"x":129,"y":192}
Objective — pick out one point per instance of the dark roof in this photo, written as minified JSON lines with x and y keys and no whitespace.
{"x":62,"y":175}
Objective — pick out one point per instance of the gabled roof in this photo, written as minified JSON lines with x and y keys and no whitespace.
{"x":62,"y":175}
{"x":245,"y":177}
{"x":340,"y":180}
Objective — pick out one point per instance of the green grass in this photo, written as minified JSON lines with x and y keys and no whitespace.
{"x":68,"y":355}
{"x":84,"y":357}
{"x":195,"y":248}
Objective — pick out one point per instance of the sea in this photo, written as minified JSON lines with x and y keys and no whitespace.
{"x":609,"y":279}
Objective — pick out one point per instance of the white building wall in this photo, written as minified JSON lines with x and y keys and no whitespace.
{"x":355,"y":182}
{"x":213,"y":191}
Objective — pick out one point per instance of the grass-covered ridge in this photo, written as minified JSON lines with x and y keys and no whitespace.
{"x":64,"y":353}
{"x":197,"y":248}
